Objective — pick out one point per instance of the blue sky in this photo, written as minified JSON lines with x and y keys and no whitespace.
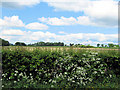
{"x":85,"y":21}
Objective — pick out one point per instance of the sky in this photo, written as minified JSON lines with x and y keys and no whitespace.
{"x":69,"y":21}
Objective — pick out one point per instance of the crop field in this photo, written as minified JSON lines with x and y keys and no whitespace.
{"x":60,"y":67}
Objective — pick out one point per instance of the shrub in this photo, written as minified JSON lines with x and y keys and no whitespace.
{"x":57,"y":68}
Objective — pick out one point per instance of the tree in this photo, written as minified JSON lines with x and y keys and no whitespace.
{"x":117,"y":46}
{"x":89,"y":46}
{"x":111,"y":45}
{"x":105,"y":45}
{"x":98,"y":45}
{"x":71,"y":44}
{"x":23,"y":44}
{"x":4,"y":42}
{"x":20,"y":44}
{"x":82,"y":46}
{"x":102,"y":45}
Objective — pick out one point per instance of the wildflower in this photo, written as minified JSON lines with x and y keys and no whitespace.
{"x":16,"y":71}
{"x":9,"y":77}
{"x":110,"y":76}
{"x":102,"y":72}
{"x":21,"y":74}
{"x":50,"y":80}
{"x":52,"y":86}
{"x":14,"y":81}
{"x":53,"y":81}
{"x":84,"y":54}
{"x":30,"y":74}
{"x":98,"y":58}
{"x":73,"y":81}
{"x":65,"y":72}
{"x":95,"y":72}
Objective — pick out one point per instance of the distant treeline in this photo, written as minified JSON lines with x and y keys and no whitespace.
{"x":47,"y":44}
{"x":6,"y":43}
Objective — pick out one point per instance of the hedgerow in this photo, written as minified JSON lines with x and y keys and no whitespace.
{"x":57,"y":68}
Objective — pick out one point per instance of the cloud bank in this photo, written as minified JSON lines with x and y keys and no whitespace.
{"x":102,"y":12}
{"x":14,"y":21}
{"x":14,"y":35}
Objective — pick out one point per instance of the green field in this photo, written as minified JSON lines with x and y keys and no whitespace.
{"x":60,"y":67}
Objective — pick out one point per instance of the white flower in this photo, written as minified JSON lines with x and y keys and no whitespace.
{"x":98,"y":58}
{"x":52,"y":86}
{"x":30,"y":74}
{"x":101,"y":65}
{"x":102,"y":72}
{"x":84,"y":54}
{"x":16,"y":71}
{"x":50,"y":80}
{"x":97,"y":61}
{"x":65,"y":72}
{"x":73,"y":81}
{"x":21,"y":74}
{"x":96,"y":53}
{"x":14,"y":81}
{"x":53,"y":81}
{"x":110,"y":76}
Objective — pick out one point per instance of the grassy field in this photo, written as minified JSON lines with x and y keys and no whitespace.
{"x":60,"y":67}
{"x":55,"y":47}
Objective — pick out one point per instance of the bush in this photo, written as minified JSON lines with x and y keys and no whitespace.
{"x":57,"y":68}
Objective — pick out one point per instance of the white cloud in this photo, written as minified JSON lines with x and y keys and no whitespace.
{"x":36,"y":26}
{"x":13,"y":21}
{"x":12,"y":32}
{"x":68,"y":5}
{"x":82,"y":38}
{"x":85,"y":20}
{"x":81,"y":20}
{"x":102,"y":12}
{"x":58,"y":21}
{"x":18,"y":3}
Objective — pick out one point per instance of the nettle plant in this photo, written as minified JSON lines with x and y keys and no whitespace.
{"x":74,"y":72}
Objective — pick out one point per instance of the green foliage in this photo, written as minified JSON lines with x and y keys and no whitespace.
{"x":98,"y":45}
{"x":47,"y":44}
{"x":60,"y":68}
{"x":112,"y":59}
{"x":20,"y":44}
{"x":102,"y":45}
{"x":4,"y":42}
{"x":110,"y":45}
